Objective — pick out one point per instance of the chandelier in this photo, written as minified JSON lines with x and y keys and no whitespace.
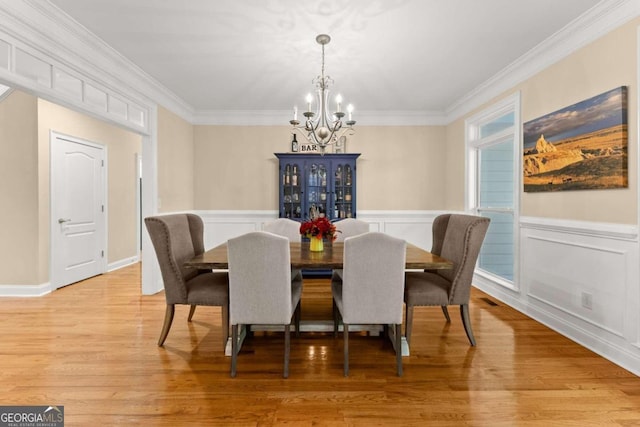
{"x":324,"y":129}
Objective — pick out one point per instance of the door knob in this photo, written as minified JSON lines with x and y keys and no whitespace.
{"x":63,"y":220}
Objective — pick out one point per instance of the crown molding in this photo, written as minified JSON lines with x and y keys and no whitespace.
{"x":595,"y":23}
{"x":282,"y":117}
{"x":5,"y":91}
{"x":401,"y":118}
{"x":44,"y":27}
{"x":242,"y":117}
{"x":47,"y":29}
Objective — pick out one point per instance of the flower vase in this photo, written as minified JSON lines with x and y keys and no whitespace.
{"x":316,"y":244}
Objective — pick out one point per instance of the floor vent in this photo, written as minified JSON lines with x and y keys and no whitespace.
{"x":488,"y":301}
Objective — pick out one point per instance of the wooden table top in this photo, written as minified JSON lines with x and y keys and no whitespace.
{"x":331,"y":257}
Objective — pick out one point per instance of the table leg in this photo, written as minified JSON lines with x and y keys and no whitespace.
{"x":242,"y":334}
{"x":403,"y":344}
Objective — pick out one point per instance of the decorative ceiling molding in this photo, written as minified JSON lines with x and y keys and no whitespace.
{"x":5,"y":91}
{"x":281,"y":118}
{"x":603,"y":18}
{"x":46,"y":28}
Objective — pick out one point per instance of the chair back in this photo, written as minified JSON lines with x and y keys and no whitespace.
{"x":176,"y":238}
{"x":461,"y":245}
{"x":373,"y":279}
{"x":350,"y":227}
{"x":438,"y":230}
{"x":284,"y":227}
{"x":259,"y":279}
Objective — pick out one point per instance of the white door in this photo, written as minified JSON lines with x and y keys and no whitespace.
{"x":78,"y":226}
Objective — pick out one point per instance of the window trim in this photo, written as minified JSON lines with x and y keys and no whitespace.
{"x":473,"y":143}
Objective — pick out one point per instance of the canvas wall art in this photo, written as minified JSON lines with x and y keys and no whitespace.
{"x":583,"y":146}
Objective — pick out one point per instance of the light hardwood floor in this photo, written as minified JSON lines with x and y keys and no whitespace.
{"x":92,"y":348}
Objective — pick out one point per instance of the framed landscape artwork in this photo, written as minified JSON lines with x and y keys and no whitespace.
{"x":580,"y":147}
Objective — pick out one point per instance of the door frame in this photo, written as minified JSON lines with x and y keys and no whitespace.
{"x":53,"y":135}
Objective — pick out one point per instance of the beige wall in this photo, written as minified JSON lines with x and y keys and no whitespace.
{"x":454,"y":175}
{"x":122,"y":146}
{"x":25,"y":123}
{"x":235,"y":166}
{"x":175,"y":162}
{"x":605,"y":64}
{"x":18,"y":189}
{"x":399,"y":167}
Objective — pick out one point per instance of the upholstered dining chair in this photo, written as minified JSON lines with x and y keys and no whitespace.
{"x":176,"y":239}
{"x":371,"y":288}
{"x":457,"y":238}
{"x":350,"y":227}
{"x":291,"y":230}
{"x":284,"y":227}
{"x":261,"y":291}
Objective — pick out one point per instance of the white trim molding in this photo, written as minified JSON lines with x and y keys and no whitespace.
{"x":8,"y":291}
{"x":54,"y":34}
{"x":595,"y":23}
{"x":122,"y":263}
{"x":222,"y":225}
{"x":580,"y":279}
{"x":413,"y":226}
{"x":20,"y":291}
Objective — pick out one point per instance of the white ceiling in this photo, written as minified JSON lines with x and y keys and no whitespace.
{"x":385,"y":55}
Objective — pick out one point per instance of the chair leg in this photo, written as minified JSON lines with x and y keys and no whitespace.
{"x":345,"y":332}
{"x":446,"y":313}
{"x":168,"y":319}
{"x":335,"y":319}
{"x":225,"y":326}
{"x":296,"y":316}
{"x":464,"y":313}
{"x":234,"y":349}
{"x":398,"y":337}
{"x":191,"y":311}
{"x":287,"y":349}
{"x":408,"y":322}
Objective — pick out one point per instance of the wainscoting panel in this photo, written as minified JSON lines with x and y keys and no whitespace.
{"x":581,"y":279}
{"x":220,"y":226}
{"x":412,"y":226}
{"x":585,"y":281}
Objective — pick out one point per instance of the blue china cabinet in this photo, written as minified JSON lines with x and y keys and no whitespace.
{"x":324,"y":185}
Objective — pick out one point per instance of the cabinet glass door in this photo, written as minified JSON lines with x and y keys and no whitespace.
{"x":317,"y":195}
{"x":291,"y":188}
{"x":343,"y":190}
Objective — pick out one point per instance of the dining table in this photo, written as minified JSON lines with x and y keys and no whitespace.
{"x":331,"y":257}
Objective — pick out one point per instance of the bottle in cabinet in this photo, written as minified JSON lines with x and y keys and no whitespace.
{"x":317,"y":180}
{"x":286,"y":179}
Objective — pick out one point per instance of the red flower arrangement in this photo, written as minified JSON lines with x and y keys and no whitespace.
{"x":320,"y":228}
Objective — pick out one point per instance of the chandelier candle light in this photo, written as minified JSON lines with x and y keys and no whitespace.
{"x":323,"y":130}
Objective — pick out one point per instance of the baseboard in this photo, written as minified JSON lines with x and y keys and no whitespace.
{"x":11,"y":291}
{"x":122,"y":263}
{"x":560,"y":262}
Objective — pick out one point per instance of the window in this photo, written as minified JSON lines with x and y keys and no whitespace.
{"x":492,"y":139}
